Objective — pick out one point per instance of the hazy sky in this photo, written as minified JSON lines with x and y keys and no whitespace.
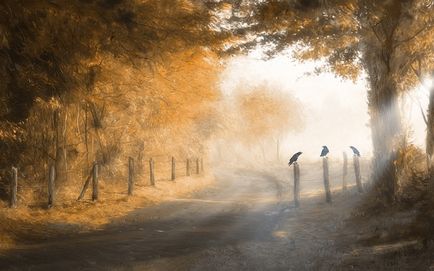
{"x":335,"y":110}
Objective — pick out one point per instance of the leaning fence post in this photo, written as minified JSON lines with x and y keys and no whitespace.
{"x":296,"y":184}
{"x":197,"y":166}
{"x":357,"y":172}
{"x":151,"y":172}
{"x":51,"y":178}
{"x":130,"y":176}
{"x":95,"y":191}
{"x":325,"y":166}
{"x":345,"y":172}
{"x":173,"y":169}
{"x":188,"y":167}
{"x":14,"y":187}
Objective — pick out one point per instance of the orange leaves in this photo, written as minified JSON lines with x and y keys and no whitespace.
{"x":265,"y":112}
{"x":185,"y":84}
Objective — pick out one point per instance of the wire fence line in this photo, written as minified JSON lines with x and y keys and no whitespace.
{"x":332,"y":176}
{"x":144,"y":172}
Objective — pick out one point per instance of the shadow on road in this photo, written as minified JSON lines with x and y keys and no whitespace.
{"x":246,"y":222}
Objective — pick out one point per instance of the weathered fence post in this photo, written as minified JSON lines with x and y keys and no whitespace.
{"x":345,"y":172}
{"x":14,"y":187}
{"x":151,"y":172}
{"x":130,"y":176}
{"x":95,"y":192}
{"x":357,"y":172}
{"x":197,"y":166}
{"x":51,"y":178}
{"x":188,"y":167}
{"x":173,"y":169}
{"x":296,"y":185}
{"x":86,"y":185}
{"x":325,"y":166}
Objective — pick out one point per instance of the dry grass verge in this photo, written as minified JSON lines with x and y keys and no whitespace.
{"x":26,"y":223}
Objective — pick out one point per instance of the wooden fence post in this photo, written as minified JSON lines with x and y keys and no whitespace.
{"x":188,"y":167}
{"x":95,"y":192}
{"x":51,"y":178}
{"x":173,"y":169}
{"x":130,"y":176}
{"x":151,"y":172}
{"x":357,"y":172}
{"x":14,"y":187}
{"x":325,"y":166}
{"x":296,"y":185}
{"x":197,"y":166}
{"x":86,"y":185}
{"x":345,"y":172}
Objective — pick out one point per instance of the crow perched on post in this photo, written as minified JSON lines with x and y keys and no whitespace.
{"x":324,"y":151}
{"x":294,"y":158}
{"x":355,"y":151}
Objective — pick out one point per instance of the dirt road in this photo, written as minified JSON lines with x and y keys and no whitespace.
{"x":245,"y":222}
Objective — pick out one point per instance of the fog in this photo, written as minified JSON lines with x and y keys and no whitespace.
{"x":334,"y":110}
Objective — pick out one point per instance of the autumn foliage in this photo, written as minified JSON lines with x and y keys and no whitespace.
{"x":85,"y":81}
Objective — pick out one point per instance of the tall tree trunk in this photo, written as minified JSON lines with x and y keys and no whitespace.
{"x":430,"y":141}
{"x":381,"y":65}
{"x":385,"y":122}
{"x":387,"y":134}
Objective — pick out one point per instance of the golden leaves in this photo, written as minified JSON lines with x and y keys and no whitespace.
{"x":264,"y":112}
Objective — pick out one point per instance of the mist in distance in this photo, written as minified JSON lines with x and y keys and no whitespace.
{"x":334,"y":111}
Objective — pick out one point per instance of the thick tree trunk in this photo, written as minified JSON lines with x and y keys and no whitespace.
{"x":430,"y":142}
{"x":386,"y":127}
{"x":382,"y":65}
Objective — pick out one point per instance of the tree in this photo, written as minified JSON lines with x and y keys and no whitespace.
{"x":252,"y":118}
{"x":382,"y":38}
{"x":85,"y":80}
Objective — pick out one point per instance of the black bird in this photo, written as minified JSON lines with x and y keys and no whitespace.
{"x":355,"y":151}
{"x":294,"y":158}
{"x":324,"y":151}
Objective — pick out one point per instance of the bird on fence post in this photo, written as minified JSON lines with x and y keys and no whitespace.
{"x":293,"y":161}
{"x":294,"y":158}
{"x":324,"y":151}
{"x":355,"y":151}
{"x":325,"y":165}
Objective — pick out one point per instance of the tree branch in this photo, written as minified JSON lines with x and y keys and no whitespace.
{"x":417,"y":33}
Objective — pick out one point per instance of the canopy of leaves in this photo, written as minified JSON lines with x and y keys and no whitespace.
{"x":345,"y":33}
{"x":48,"y":48}
{"x":103,"y":80}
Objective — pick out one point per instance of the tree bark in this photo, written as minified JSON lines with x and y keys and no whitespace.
{"x":430,"y":142}
{"x":382,"y":65}
{"x":386,"y":126}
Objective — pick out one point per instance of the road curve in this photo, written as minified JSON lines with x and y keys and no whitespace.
{"x":239,"y":224}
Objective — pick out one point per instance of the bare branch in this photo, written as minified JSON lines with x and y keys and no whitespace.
{"x":417,"y":33}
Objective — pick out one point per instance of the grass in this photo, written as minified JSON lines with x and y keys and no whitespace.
{"x":32,"y":222}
